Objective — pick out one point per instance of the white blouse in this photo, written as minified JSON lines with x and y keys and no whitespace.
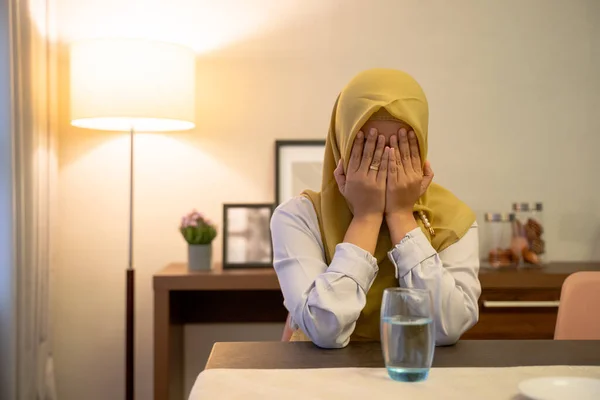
{"x":325,"y":301}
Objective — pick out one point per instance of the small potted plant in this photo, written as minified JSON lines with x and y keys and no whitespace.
{"x":199,"y":233}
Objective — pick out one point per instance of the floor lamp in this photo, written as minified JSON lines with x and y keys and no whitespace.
{"x":131,"y":86}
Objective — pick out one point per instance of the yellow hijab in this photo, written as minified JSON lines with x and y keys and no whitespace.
{"x":402,"y":97}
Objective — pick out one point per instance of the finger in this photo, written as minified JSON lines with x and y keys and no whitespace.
{"x":404,"y":150}
{"x":383,"y":167}
{"x":339,"y":169}
{"x":415,"y":157}
{"x":357,"y":150}
{"x":427,"y":177}
{"x":427,"y":174}
{"x":368,"y":151}
{"x":395,"y":148}
{"x":379,"y":147}
{"x":393,"y":166}
{"x":427,"y":170}
{"x":339,"y":176}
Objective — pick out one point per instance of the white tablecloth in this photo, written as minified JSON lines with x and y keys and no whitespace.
{"x":373,"y":383}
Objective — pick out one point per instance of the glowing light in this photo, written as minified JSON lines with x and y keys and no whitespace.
{"x":117,"y":85}
{"x":203,"y":25}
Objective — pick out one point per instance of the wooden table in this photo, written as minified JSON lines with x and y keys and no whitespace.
{"x":466,"y":353}
{"x":253,"y":295}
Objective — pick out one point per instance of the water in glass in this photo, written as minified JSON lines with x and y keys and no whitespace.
{"x":407,"y":334}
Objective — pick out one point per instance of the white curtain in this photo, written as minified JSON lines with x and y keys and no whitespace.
{"x":34,"y":179}
{"x":8,"y":318}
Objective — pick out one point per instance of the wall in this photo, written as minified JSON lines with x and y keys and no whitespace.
{"x":513,"y":90}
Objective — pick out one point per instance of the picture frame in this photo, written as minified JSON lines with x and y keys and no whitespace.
{"x":247,"y":236}
{"x":298,"y":166}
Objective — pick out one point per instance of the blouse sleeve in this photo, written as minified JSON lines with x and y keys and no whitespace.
{"x":451,"y":275}
{"x":324,"y":300}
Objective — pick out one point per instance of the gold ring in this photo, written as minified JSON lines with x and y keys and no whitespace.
{"x":374,"y":167}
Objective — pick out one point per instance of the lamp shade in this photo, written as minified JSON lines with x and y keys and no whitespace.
{"x":123,"y":84}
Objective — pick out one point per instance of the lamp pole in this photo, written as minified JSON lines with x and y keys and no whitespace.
{"x":130,"y":291}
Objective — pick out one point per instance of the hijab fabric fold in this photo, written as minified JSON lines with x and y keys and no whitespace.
{"x":402,"y":97}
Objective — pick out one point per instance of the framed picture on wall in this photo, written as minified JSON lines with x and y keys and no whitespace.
{"x":247,"y":236}
{"x":298,"y":166}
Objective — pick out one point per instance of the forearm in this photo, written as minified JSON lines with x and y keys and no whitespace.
{"x":455,"y":312}
{"x":364,"y":231}
{"x":399,"y":225}
{"x":327,"y":309}
{"x":450,"y":276}
{"x":324,"y":298}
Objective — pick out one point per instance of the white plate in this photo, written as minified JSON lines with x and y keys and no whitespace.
{"x":561,"y":388}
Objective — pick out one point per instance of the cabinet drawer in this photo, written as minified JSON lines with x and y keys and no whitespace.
{"x":516,"y":314}
{"x":508,"y":324}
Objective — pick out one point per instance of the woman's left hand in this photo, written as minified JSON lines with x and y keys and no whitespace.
{"x":407,"y":180}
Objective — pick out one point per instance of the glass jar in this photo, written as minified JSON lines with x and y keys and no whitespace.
{"x":529,"y":228}
{"x":497,"y":241}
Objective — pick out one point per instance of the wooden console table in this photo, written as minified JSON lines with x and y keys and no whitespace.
{"x":522,"y":303}
{"x":514,"y":304}
{"x":187,"y":297}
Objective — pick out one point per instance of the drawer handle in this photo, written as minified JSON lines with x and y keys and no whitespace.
{"x":520,"y":304}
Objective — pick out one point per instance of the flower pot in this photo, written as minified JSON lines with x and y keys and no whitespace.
{"x":199,"y":257}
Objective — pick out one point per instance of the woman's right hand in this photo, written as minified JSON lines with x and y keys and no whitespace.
{"x":364,"y":184}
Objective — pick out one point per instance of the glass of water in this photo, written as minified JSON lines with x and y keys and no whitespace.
{"x":407,"y":333}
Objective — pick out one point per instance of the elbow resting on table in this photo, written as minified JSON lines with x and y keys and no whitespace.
{"x":328,"y":339}
{"x":327,"y":333}
{"x":450,"y":335}
{"x":330,"y":343}
{"x":448,"y":339}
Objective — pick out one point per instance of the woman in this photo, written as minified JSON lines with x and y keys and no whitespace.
{"x":377,"y":222}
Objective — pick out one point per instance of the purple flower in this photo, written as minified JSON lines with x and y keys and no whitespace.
{"x":195,"y":219}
